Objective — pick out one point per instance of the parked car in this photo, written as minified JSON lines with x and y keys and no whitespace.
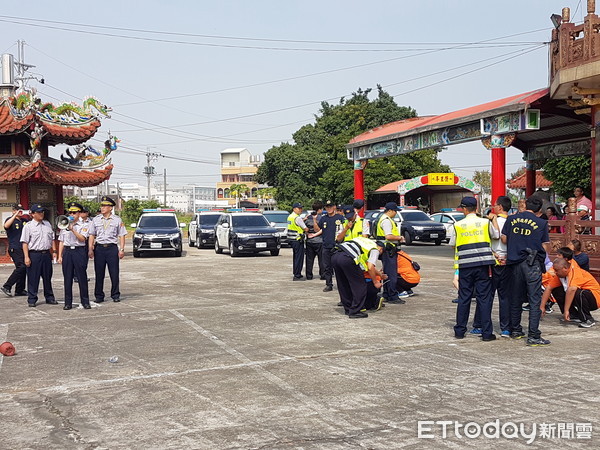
{"x":448,"y":219}
{"x":278,"y":219}
{"x":201,"y":232}
{"x":246,"y":233}
{"x":372,"y":216}
{"x":157,"y":231}
{"x":415,"y":225}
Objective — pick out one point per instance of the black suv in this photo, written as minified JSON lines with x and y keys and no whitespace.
{"x":418,"y":226}
{"x":246,"y":233}
{"x":201,"y":232}
{"x":157,"y":231}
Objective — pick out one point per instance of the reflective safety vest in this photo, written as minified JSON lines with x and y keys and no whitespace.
{"x":355,"y":231}
{"x":294,"y":231}
{"x":473,"y":242}
{"x":380,"y":234}
{"x":359,"y":249}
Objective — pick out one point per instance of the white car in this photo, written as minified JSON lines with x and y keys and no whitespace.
{"x":448,"y":219}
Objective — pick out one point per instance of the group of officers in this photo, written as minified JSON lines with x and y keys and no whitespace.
{"x":340,"y":239}
{"x":508,"y":254}
{"x":33,"y":249}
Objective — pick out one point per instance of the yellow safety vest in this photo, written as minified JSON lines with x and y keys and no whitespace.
{"x":359,"y":249}
{"x":473,"y":243}
{"x":380,"y":235}
{"x":294,"y":231}
{"x":355,"y":231}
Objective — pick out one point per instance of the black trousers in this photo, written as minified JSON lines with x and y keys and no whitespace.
{"x":402,"y":285}
{"x":41,"y":267}
{"x":500,"y":283}
{"x":390,"y":268}
{"x":327,"y":267}
{"x":526,"y":286}
{"x":106,"y":257}
{"x":298,"y":262}
{"x":474,"y":279}
{"x":18,"y":275}
{"x":583,"y":304}
{"x":313,"y":250}
{"x":371,"y":299}
{"x":351,"y":283}
{"x":74,"y":264}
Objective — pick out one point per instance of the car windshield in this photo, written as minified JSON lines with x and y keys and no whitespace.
{"x":416,"y":216}
{"x":276,"y":217}
{"x":158,"y":222}
{"x":250,"y":221}
{"x":209,"y":220}
{"x":458,"y":217}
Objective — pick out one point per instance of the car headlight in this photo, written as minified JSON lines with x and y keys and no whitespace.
{"x":276,"y":235}
{"x":174,"y":235}
{"x":138,"y":236}
{"x":419,"y":228}
{"x":243,"y":235}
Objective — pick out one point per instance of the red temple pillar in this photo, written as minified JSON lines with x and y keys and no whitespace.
{"x":24,"y":194}
{"x":359,"y":183}
{"x":595,"y":169}
{"x":530,"y":184}
{"x":60,"y":202}
{"x":498,"y":172}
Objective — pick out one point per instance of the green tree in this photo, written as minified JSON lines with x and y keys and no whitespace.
{"x":316,"y":165}
{"x":237,"y":191}
{"x":568,"y":172}
{"x":132,"y":209}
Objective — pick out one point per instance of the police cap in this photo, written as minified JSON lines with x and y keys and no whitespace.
{"x":107,"y":201}
{"x":75,"y":207}
{"x":468,"y":202}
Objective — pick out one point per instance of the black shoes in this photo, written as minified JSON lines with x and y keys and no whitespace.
{"x":87,"y":306}
{"x":116,"y":300}
{"x":298,"y":279}
{"x":309,"y":278}
{"x":491,"y":337}
{"x":99,"y":300}
{"x":22,"y":293}
{"x":6,"y":291}
{"x":358,"y":315}
{"x":328,"y":289}
{"x":67,"y":307}
{"x":31,"y":305}
{"x":52,"y":302}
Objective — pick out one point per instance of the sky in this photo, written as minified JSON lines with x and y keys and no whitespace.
{"x":187,"y":79}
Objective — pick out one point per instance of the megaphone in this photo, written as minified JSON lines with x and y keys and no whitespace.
{"x":62,"y":222}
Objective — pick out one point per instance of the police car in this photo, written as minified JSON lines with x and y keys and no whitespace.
{"x":158,"y":230}
{"x":246,"y":232}
{"x":201,"y":232}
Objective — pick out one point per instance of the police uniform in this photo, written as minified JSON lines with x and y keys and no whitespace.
{"x":72,"y":253}
{"x":331,"y":226}
{"x":38,"y":245}
{"x":15,"y":250}
{"x":106,"y":235}
{"x":387,"y":225}
{"x":296,"y":227}
{"x":473,"y":258}
{"x":525,"y":235}
{"x":350,"y":261}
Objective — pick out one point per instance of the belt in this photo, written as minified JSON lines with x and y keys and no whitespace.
{"x":105,"y":245}
{"x":74,"y":247}
{"x":39,"y":251}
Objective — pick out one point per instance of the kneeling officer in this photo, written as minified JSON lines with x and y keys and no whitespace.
{"x":72,"y":254}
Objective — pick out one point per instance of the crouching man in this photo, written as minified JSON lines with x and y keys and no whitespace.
{"x":575,"y":290}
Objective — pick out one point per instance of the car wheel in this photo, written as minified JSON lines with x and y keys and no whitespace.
{"x":136,"y":254}
{"x":407,"y":238}
{"x":179,"y":251}
{"x":218,"y":249}
{"x":275,"y":252}
{"x":232,"y":250}
{"x":190,"y":242}
{"x":438,"y":242}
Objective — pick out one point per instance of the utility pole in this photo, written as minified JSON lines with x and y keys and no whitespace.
{"x":165,"y":187}
{"x":149,"y":169}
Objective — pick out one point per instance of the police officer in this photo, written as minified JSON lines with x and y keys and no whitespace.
{"x":14,"y":227}
{"x":527,"y":241}
{"x":350,"y":260}
{"x":38,"y":247}
{"x":314,"y":242}
{"x":296,"y":230}
{"x":72,"y":254}
{"x":388,"y":232}
{"x":84,"y":217}
{"x":331,"y":226}
{"x":353,"y":226}
{"x":473,"y":258}
{"x":106,"y":248}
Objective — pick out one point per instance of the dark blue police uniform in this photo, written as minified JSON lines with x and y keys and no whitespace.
{"x":15,"y":250}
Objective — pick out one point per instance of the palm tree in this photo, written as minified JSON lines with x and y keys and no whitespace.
{"x":237,"y":190}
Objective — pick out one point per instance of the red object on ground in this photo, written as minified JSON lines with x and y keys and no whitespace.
{"x":7,"y":349}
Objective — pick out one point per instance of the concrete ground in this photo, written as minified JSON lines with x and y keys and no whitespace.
{"x":217,"y":352}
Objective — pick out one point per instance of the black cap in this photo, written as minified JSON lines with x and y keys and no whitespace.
{"x":17,"y":206}
{"x":358,"y":203}
{"x":107,"y":201}
{"x":297,"y":205}
{"x":349,"y":212}
{"x":75,"y":207}
{"x":329,"y":203}
{"x":469,"y":202}
{"x":391,"y":205}
{"x":37,"y":208}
